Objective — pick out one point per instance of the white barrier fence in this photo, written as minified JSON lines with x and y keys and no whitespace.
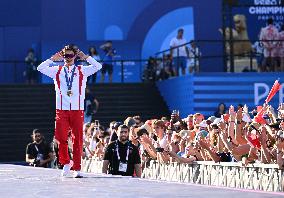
{"x":266,"y":177}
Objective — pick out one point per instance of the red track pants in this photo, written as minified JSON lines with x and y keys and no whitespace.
{"x":65,"y":121}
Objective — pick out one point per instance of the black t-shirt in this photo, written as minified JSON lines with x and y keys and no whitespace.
{"x":38,"y":150}
{"x":89,"y":97}
{"x":111,"y":156}
{"x":225,"y":157}
{"x":89,"y":104}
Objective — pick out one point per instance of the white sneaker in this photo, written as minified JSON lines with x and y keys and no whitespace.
{"x":77,"y":174}
{"x":66,"y":169}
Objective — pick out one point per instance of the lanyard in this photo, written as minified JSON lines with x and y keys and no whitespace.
{"x":36,"y":148}
{"x":69,"y":81}
{"x":127,"y":152}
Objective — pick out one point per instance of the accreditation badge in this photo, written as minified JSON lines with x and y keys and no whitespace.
{"x":122,"y":167}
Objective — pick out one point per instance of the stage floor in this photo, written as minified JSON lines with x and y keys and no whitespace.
{"x":21,"y":182}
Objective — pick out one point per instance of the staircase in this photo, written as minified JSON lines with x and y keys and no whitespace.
{"x":25,"y":107}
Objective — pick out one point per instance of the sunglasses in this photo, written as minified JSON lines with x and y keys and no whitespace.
{"x":68,"y":55}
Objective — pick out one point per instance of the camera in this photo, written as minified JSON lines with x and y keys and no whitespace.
{"x":140,"y":132}
{"x":159,"y":149}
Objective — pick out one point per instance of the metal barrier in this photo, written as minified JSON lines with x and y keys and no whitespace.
{"x":266,"y":177}
{"x":14,"y":71}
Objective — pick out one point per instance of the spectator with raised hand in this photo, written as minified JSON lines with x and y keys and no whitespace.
{"x":280,"y":148}
{"x":239,"y":128}
{"x":266,"y":156}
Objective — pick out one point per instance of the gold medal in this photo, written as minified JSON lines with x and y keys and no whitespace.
{"x":69,"y":93}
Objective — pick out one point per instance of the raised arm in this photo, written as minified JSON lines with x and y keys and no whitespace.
{"x":92,"y":68}
{"x":45,"y":68}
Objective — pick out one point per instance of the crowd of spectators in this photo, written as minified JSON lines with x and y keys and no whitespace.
{"x":171,"y":66}
{"x":230,"y":136}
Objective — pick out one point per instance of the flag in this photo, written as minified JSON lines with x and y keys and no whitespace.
{"x":275,"y":88}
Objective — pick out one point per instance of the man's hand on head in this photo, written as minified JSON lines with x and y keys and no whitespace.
{"x":57,"y":57}
{"x":81,"y":55}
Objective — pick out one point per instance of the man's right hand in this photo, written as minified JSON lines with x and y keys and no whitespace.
{"x":57,"y":57}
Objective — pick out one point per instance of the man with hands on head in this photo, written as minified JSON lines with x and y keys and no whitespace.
{"x":70,"y":83}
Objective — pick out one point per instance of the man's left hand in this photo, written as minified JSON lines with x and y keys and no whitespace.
{"x":81,"y":55}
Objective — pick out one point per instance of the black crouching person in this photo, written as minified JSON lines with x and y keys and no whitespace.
{"x":38,"y":153}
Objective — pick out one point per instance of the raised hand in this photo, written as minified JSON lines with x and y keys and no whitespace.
{"x":204,"y":144}
{"x":222,"y":126}
{"x":145,"y":139}
{"x":245,"y":108}
{"x":57,"y":57}
{"x":263,"y":136}
{"x":240,"y":114}
{"x":281,"y":107}
{"x":232,"y":113}
{"x":81,"y":55}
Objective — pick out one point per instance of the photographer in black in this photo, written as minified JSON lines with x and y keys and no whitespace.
{"x":107,"y":60}
{"x":38,"y":153}
{"x":121,"y":156}
{"x":31,"y":72}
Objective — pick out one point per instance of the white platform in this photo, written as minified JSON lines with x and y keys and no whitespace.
{"x":21,"y":182}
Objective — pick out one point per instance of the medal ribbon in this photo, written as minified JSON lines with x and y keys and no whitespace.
{"x":127,"y":152}
{"x":69,"y":81}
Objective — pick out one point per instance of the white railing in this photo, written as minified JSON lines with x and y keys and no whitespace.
{"x":266,"y":177}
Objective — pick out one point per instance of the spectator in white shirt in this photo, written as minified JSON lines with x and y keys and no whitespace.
{"x":179,"y":54}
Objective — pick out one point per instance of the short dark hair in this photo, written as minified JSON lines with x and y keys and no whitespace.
{"x":181,"y":30}
{"x":270,"y":21}
{"x":36,"y":131}
{"x":142,"y":131}
{"x":137,"y":118}
{"x":31,"y":50}
{"x":70,"y":47}
{"x":123,"y":126}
